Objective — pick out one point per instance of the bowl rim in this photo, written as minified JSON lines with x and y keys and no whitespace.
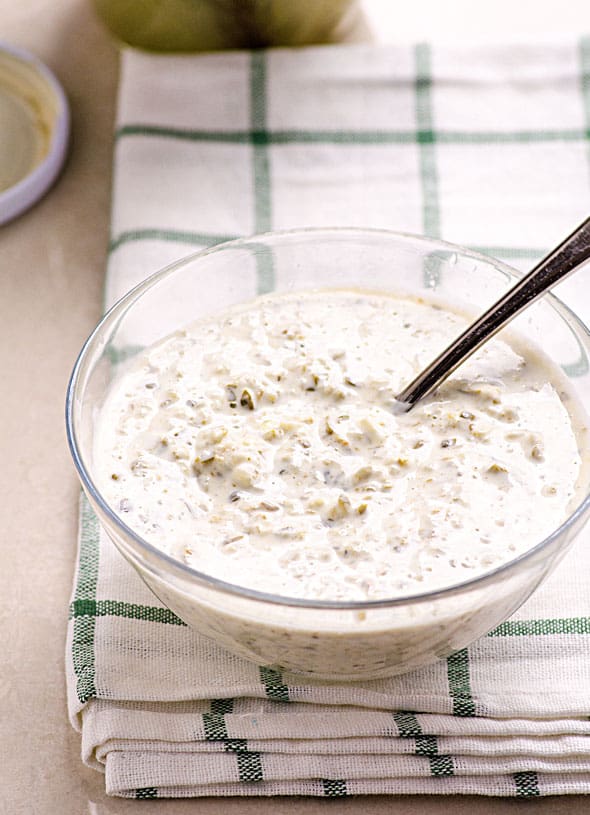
{"x":182,"y":569}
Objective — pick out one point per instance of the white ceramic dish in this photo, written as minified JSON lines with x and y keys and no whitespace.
{"x":34,"y":130}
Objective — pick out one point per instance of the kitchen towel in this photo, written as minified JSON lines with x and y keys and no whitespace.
{"x":483,"y":146}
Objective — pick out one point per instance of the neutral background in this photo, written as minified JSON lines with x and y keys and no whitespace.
{"x":51,"y":272}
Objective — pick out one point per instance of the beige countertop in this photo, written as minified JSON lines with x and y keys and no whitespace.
{"x":51,"y":266}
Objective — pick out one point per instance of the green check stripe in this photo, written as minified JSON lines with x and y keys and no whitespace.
{"x":424,"y":121}
{"x":407,"y":724}
{"x":264,"y":260}
{"x":511,"y":136}
{"x":168,"y":236}
{"x":272,"y":680}
{"x":427,"y":162}
{"x":334,"y":787}
{"x":212,"y":238}
{"x":426,"y":746}
{"x":264,"y":266}
{"x":83,"y":657}
{"x":551,"y":626}
{"x":262,"y":204}
{"x":527,"y":785}
{"x":441,"y":766}
{"x":89,"y":608}
{"x":236,"y":746}
{"x":274,"y":686}
{"x":460,"y":683}
{"x":512,"y":252}
{"x":263,"y":138}
{"x":118,"y":355}
{"x":222,"y":705}
{"x":261,"y":178}
{"x":215,"y":726}
{"x":145,"y":793}
{"x":408,"y":727}
{"x":250,"y":767}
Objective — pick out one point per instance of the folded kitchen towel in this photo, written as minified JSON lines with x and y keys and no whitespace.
{"x":487,"y":147}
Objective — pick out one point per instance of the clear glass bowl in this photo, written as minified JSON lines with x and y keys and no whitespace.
{"x":329,"y":640}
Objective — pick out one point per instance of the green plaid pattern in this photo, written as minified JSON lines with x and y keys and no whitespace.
{"x":488,"y":147}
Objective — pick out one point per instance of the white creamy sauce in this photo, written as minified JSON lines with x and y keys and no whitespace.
{"x":261,"y":447}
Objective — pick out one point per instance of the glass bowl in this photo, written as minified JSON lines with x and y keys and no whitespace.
{"x":322,"y":639}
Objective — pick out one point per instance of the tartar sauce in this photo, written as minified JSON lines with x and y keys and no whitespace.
{"x":261,"y":447}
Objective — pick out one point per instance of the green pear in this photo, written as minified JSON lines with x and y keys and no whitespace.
{"x":206,"y":25}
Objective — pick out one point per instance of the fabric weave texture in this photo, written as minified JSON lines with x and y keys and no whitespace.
{"x":487,"y":147}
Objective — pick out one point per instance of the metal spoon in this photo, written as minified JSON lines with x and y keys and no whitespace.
{"x":566,"y":258}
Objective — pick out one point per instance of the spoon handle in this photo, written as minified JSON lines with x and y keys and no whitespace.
{"x":556,"y":266}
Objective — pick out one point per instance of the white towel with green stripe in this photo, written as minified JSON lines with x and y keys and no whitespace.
{"x":487,"y":147}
